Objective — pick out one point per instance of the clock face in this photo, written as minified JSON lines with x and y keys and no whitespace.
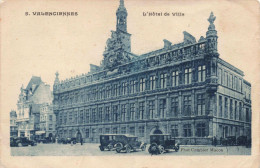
{"x":111,"y":59}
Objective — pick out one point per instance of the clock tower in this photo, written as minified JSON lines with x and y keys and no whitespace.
{"x":121,"y":14}
{"x":118,"y":46}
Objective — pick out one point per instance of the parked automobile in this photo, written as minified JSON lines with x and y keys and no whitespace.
{"x":43,"y":140}
{"x":160,"y":143}
{"x":107,"y":141}
{"x":21,"y":141}
{"x":128,"y":143}
{"x":71,"y":140}
{"x":242,"y":140}
{"x":229,"y":141}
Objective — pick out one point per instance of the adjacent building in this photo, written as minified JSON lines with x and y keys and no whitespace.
{"x":13,"y":125}
{"x":185,"y":89}
{"x":28,"y":106}
{"x":47,"y":122}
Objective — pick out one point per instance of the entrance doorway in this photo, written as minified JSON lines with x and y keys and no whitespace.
{"x":157,"y":131}
{"x":78,"y":136}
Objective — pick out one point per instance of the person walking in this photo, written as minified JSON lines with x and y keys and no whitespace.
{"x":81,"y":141}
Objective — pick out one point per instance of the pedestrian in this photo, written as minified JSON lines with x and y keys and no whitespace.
{"x":215,"y":141}
{"x":81,"y":141}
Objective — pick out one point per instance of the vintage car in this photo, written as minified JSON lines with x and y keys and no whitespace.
{"x":228,"y":141}
{"x":107,"y":141}
{"x":128,"y":143}
{"x":71,"y":140}
{"x":160,"y":143}
{"x":21,"y":141}
{"x":242,"y":140}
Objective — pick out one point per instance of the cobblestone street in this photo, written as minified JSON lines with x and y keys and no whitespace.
{"x":90,"y":149}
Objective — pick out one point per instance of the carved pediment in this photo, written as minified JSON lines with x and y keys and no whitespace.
{"x":188,"y":38}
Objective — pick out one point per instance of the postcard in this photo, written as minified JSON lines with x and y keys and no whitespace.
{"x":126,"y":83}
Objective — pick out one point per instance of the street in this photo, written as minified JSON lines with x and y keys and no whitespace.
{"x":91,"y":149}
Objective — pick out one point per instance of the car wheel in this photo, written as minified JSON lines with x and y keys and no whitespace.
{"x":20,"y":144}
{"x":110,"y":147}
{"x":177,"y":147}
{"x":153,"y":149}
{"x":101,"y":148}
{"x":119,"y":147}
{"x":143,"y":147}
{"x":128,"y":149}
{"x":160,"y":149}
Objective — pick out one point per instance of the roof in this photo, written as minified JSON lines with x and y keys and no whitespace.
{"x":35,"y":80}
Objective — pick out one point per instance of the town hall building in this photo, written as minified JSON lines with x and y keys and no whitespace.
{"x":185,"y":89}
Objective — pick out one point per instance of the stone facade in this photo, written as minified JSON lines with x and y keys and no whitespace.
{"x":180,"y":89}
{"x":28,"y":106}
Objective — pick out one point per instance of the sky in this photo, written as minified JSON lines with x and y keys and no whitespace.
{"x":43,"y":45}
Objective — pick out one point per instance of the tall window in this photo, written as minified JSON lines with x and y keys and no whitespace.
{"x":107,"y":130}
{"x":132,"y":130}
{"x":81,"y":117}
{"x":201,"y":104}
{"x":142,"y":84}
{"x":240,"y":111}
{"x":235,"y":113}
{"x":141,"y":110}
{"x":108,"y":92}
{"x":132,"y":86}
{"x":220,"y":104}
{"x":201,"y":130}
{"x":174,"y":131}
{"x":231,"y":81}
{"x":60,"y":117}
{"x":124,"y":88}
{"x":247,"y":115}
{"x":187,"y":106}
{"x":201,"y":73}
{"x":152,"y":82}
{"x":100,"y":114}
{"x":174,"y":106}
{"x":231,"y":109}
{"x":163,"y":80}
{"x":65,"y":118}
{"x":239,"y":85}
{"x":152,"y":109}
{"x":115,"y":130}
{"x":70,"y":117}
{"x":50,"y":117}
{"x":87,"y":133}
{"x":187,"y":130}
{"x":115,"y":113}
{"x":235,"y":83}
{"x":94,"y":117}
{"x":123,"y":130}
{"x":87,"y":116}
{"x":226,"y":108}
{"x":227,"y":80}
{"x":220,"y":76}
{"x":175,"y":78}
{"x":132,"y":112}
{"x":188,"y":76}
{"x":162,"y":107}
{"x":107,"y":114}
{"x":123,"y":112}
{"x":141,"y":131}
{"x":115,"y":90}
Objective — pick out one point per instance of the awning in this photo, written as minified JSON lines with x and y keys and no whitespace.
{"x":39,"y":132}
